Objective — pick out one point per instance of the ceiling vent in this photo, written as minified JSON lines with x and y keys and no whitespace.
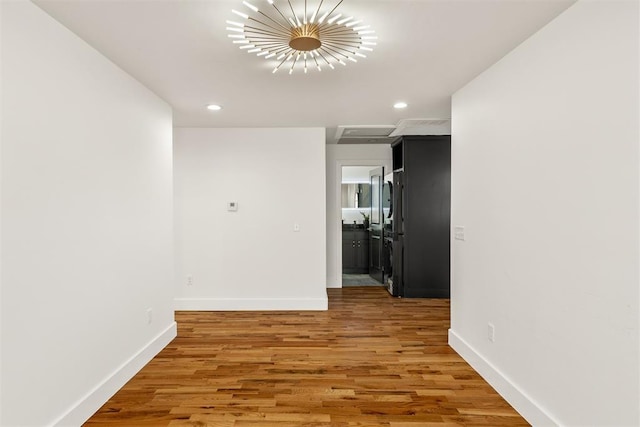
{"x":364,"y":134}
{"x":422,"y":127}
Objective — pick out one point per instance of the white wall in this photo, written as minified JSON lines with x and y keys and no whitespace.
{"x":545,"y":182}
{"x":338,"y":156}
{"x":251,"y":259}
{"x":1,"y":124}
{"x":86,"y":223}
{"x":356,"y":174}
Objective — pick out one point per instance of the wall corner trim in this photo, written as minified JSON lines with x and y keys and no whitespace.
{"x":252,"y":304}
{"x":83,"y":409}
{"x":521,"y":402}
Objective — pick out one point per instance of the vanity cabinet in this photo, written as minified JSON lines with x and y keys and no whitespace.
{"x":355,"y":251}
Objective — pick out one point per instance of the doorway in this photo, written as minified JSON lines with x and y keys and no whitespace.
{"x":360,"y":200}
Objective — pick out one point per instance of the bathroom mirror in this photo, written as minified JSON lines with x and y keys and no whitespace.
{"x":356,"y":195}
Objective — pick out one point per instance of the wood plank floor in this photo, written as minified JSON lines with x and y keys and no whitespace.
{"x":371,"y":360}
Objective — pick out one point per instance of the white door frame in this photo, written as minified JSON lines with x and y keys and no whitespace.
{"x":338,"y":212}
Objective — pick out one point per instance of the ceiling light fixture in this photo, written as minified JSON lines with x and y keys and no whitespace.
{"x":400,"y":105}
{"x":214,"y":107}
{"x":279,"y":31}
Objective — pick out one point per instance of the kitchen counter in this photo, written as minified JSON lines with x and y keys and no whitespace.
{"x":353,"y":227}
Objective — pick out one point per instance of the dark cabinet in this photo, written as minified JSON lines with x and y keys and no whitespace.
{"x":355,"y":251}
{"x":421,"y":217}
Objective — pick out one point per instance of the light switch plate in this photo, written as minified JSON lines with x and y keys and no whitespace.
{"x":232,"y":206}
{"x":458,"y":233}
{"x":491,"y":332}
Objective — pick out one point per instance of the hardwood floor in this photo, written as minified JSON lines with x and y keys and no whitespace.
{"x":371,"y":360}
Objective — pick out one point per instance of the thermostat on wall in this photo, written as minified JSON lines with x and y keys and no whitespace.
{"x":232,"y":206}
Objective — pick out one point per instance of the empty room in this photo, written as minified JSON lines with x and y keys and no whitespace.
{"x":399,"y":213}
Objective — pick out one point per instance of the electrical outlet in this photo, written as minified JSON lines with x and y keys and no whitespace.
{"x":491,"y":332}
{"x":189,"y":280}
{"x":458,"y":233}
{"x":149,"y":316}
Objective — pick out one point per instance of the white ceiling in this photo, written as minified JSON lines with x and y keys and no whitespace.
{"x":427,"y":49}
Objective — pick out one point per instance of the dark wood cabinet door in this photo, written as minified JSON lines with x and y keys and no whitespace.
{"x":348,"y":251}
{"x":355,"y":252}
{"x":362,"y":251}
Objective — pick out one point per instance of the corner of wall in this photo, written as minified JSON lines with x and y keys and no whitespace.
{"x":82,"y":410}
{"x":525,"y":405}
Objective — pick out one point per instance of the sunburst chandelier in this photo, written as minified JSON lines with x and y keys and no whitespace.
{"x":301,"y":37}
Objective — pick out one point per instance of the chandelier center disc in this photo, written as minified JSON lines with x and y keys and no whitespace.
{"x":305,"y":38}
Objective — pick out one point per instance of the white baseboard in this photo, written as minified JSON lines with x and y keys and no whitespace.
{"x":251,"y":304}
{"x":527,"y":407}
{"x":92,"y":401}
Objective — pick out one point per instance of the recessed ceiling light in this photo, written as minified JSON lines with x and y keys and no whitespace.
{"x":399,"y":105}
{"x":214,"y":107}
